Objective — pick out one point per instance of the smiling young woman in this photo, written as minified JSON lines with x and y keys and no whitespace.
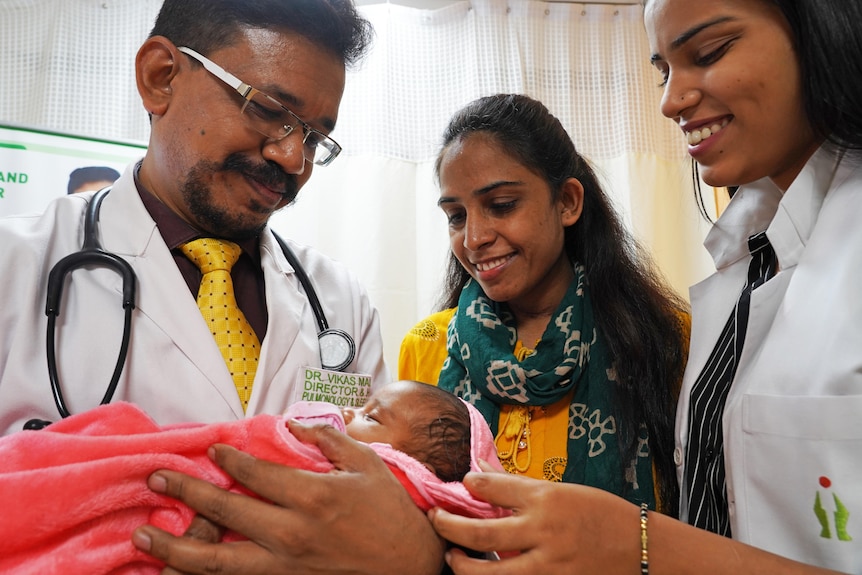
{"x":561,"y":333}
{"x":746,"y":65}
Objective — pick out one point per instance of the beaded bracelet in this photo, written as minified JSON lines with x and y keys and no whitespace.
{"x":644,"y":554}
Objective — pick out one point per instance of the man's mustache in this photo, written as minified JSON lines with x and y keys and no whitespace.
{"x":269,"y":174}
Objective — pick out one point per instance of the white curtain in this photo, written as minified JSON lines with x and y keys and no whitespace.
{"x":67,"y":65}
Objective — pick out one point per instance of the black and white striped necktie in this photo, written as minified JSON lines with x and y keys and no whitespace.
{"x":705,"y":475}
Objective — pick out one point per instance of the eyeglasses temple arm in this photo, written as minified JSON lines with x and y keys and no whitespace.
{"x":219,"y":72}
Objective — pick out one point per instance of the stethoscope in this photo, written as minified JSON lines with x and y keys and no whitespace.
{"x":337,"y":348}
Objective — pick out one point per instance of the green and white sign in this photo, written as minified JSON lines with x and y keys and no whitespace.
{"x":37,"y":166}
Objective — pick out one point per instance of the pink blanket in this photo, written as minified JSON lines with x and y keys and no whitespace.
{"x":71,"y":494}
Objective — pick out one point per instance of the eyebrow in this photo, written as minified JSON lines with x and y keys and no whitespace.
{"x":691,"y":33}
{"x":483,"y":190}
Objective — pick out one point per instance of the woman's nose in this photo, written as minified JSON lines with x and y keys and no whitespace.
{"x":679,"y":95}
{"x":477,"y":232}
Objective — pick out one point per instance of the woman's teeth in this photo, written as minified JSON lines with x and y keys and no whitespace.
{"x":485,"y":266}
{"x":697,"y":136}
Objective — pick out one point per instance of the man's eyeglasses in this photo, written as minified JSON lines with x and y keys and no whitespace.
{"x":269,"y":116}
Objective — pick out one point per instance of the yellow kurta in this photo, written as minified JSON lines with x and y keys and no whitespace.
{"x":543,"y":455}
{"x":532,"y":440}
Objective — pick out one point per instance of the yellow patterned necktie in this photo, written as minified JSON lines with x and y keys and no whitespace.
{"x":234,"y":336}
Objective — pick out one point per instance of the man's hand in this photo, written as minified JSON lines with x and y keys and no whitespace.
{"x":357,"y":519}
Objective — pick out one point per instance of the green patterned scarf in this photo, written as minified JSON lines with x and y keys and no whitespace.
{"x":482,"y":369}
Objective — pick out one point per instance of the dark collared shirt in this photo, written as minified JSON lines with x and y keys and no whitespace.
{"x":247,"y":274}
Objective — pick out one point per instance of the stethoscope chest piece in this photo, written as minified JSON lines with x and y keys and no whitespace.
{"x":337,"y":349}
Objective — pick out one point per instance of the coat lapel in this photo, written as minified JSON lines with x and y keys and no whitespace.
{"x":162,"y":295}
{"x":285,"y":307}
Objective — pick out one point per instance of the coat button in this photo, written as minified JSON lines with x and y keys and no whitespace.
{"x":677,"y":456}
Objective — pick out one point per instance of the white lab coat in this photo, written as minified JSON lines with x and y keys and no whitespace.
{"x":174,"y":370}
{"x":793,"y":418}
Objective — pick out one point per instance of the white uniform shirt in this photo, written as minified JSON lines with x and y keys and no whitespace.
{"x":793,"y":418}
{"x":174,"y":370}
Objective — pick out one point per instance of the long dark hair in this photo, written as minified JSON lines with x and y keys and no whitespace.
{"x":640,"y":317}
{"x":829,"y":52}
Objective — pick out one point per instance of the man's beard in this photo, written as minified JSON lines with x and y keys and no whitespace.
{"x":225,"y":223}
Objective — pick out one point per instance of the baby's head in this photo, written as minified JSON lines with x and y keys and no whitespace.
{"x":427,"y":423}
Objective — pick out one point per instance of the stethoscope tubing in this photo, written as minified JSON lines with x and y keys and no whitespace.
{"x":92,"y":253}
{"x":341,"y":363}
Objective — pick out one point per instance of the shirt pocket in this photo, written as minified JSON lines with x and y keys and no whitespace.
{"x":802,"y":467}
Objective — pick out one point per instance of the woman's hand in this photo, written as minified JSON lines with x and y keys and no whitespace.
{"x":561,"y":528}
{"x":558,"y":528}
{"x":356,"y":519}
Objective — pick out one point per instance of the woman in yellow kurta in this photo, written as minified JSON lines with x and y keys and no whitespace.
{"x":553,"y":325}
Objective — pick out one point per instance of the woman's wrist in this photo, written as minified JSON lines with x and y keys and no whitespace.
{"x":644,"y":518}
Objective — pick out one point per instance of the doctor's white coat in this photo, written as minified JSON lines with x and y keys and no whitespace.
{"x":174,"y":370}
{"x":793,"y":418}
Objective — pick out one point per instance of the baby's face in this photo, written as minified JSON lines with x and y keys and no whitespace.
{"x":385,"y":418}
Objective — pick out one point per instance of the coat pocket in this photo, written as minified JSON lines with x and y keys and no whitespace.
{"x":799,"y":490}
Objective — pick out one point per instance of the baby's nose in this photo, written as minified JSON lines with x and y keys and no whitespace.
{"x":348,"y":414}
